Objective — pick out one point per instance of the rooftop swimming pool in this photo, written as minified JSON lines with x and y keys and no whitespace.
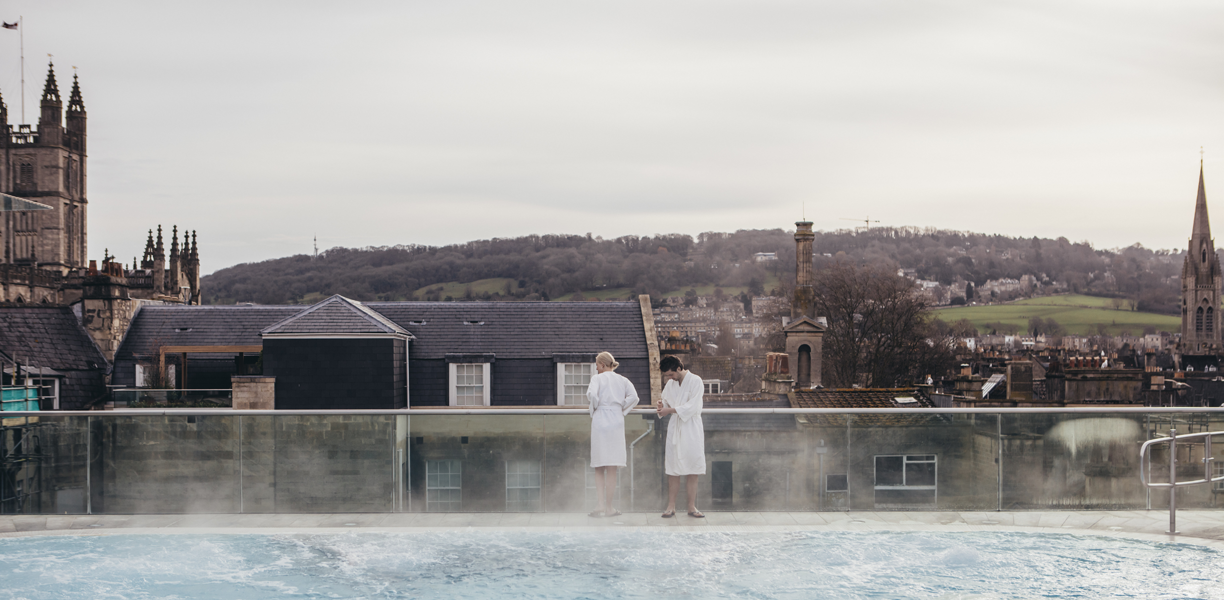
{"x":629,"y":563}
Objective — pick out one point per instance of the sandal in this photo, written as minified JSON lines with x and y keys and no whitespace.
{"x":596,"y":513}
{"x":614,"y":513}
{"x":696,"y":514}
{"x":669,"y":514}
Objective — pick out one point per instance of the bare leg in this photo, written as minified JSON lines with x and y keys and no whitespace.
{"x":691,"y":488}
{"x":673,"y":488}
{"x":599,"y":489}
{"x":610,"y":489}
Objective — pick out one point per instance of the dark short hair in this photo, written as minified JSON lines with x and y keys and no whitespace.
{"x":670,"y":363}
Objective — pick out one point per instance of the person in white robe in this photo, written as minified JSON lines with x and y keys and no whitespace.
{"x":684,"y":455}
{"x":610,"y":397}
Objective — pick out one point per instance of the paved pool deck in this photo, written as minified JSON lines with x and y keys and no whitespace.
{"x":1201,"y":527}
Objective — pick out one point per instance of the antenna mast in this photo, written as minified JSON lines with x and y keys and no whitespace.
{"x":316,"y":246}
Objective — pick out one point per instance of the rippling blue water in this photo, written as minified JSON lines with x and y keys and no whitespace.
{"x":614,"y":564}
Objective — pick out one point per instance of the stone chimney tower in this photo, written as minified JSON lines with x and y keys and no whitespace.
{"x":159,"y":265}
{"x":803,"y":304}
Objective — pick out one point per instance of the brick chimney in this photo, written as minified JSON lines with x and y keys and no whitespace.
{"x":777,"y":379}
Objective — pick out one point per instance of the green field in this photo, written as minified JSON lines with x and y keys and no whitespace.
{"x":1079,"y":315}
{"x":454,"y":289}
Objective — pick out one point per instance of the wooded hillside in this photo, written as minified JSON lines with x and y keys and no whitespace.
{"x":543,"y":267}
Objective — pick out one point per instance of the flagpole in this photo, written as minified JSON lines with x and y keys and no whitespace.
{"x":21,"y":32}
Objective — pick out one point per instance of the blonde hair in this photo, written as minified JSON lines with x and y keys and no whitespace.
{"x":605,"y":359}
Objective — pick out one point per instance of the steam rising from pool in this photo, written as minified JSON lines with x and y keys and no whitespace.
{"x":487,"y":565}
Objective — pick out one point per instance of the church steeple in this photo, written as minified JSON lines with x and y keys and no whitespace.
{"x":1202,"y":283}
{"x":1202,"y":228}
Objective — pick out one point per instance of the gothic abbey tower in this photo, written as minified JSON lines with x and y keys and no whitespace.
{"x":47,"y":165}
{"x":1201,"y":284}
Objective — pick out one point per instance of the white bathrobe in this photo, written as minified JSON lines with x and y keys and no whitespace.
{"x":685,"y":454}
{"x":611,"y":397}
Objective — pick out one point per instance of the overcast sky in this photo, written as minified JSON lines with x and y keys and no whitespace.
{"x":261,"y":124}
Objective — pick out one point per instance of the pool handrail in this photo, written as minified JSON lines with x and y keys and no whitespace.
{"x":1145,"y":463}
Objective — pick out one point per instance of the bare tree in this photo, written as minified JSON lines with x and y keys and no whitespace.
{"x":878,"y":333}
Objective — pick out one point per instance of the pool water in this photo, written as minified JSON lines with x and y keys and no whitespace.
{"x":487,"y":565}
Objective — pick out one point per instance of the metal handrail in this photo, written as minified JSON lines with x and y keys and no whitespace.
{"x":1173,"y":484}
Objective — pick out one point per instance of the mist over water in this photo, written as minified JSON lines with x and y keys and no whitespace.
{"x":605,"y":564}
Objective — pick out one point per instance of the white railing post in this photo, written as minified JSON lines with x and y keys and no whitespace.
{"x":1172,"y":482}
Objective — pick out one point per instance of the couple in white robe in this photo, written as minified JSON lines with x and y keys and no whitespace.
{"x":610,"y":397}
{"x":684,"y":455}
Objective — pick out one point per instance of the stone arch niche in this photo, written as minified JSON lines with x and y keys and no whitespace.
{"x":804,"y":337}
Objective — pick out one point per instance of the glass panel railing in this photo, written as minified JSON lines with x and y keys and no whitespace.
{"x":224,"y":461}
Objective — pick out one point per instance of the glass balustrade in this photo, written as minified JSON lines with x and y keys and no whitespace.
{"x":226,"y":461}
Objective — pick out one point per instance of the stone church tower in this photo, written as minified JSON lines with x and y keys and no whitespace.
{"x":1201,"y":283}
{"x":46,"y":165}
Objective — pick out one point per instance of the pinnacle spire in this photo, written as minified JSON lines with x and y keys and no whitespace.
{"x":1202,"y":227}
{"x":174,"y":245}
{"x":51,"y":94}
{"x":75,"y":102}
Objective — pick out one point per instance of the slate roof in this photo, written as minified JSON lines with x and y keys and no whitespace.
{"x":506,"y":329}
{"x":336,"y":315}
{"x":200,"y":326}
{"x":48,"y":337}
{"x":867,"y":398}
{"x":519,"y":330}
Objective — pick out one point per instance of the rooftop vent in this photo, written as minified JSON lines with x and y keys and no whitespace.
{"x":182,"y":329}
{"x":416,"y":322}
{"x":473,"y":322}
{"x":905,"y":400}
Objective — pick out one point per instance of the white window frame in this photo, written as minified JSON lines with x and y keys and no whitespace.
{"x":561,"y":383}
{"x":1218,"y":468}
{"x":522,"y":480}
{"x":452,"y":388}
{"x":713,"y":386}
{"x":905,"y":460}
{"x":432,"y":483}
{"x":141,"y":376}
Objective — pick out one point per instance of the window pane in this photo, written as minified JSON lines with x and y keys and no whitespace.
{"x":888,"y":470}
{"x":523,"y":485}
{"x":443,"y":480}
{"x":836,"y":483}
{"x":575,"y":378}
{"x":920,"y":473}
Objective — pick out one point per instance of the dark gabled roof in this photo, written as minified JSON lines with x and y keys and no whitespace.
{"x":519,"y":329}
{"x":865,"y":399}
{"x":48,"y":337}
{"x":337,"y":315}
{"x":505,"y":329}
{"x":156,"y":326}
